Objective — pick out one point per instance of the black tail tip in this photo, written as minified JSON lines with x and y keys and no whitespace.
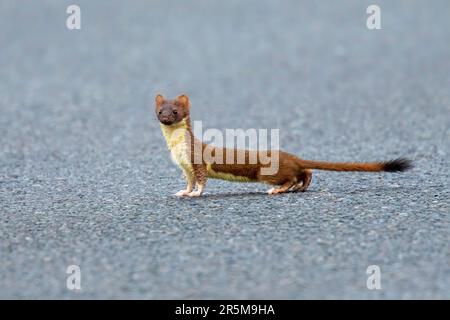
{"x":400,"y":164}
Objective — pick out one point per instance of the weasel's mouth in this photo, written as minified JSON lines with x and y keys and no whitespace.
{"x":166,"y":122}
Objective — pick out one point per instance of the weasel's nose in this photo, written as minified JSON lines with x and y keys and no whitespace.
{"x":165,"y":120}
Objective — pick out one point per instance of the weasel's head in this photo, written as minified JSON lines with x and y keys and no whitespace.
{"x":171,"y":111}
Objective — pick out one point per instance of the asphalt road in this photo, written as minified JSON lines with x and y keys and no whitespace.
{"x":86,"y":179}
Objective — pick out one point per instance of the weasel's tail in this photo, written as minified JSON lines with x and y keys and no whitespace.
{"x":400,"y":164}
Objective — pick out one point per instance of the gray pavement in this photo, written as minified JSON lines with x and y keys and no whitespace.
{"x":86,"y":179}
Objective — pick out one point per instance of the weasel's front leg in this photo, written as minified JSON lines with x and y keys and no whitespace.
{"x":190,"y":185}
{"x":197,"y":192}
{"x":200,"y":173}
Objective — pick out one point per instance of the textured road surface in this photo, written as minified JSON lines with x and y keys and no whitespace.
{"x":86,"y":179}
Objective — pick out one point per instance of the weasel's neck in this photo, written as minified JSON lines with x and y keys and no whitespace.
{"x":175,"y":133}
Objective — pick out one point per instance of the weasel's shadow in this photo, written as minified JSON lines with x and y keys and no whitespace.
{"x":338,"y":191}
{"x":248,"y":194}
{"x":232,"y":195}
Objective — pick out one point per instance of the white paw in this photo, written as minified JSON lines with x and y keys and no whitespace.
{"x":182,"y":193}
{"x":271,"y":191}
{"x":196,"y":193}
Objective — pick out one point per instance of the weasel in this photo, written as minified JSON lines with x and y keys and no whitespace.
{"x":293,"y":174}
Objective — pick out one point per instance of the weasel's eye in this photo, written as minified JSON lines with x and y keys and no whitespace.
{"x":160,"y":112}
{"x":174,"y":111}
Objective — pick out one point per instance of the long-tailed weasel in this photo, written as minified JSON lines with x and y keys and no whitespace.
{"x":188,"y":152}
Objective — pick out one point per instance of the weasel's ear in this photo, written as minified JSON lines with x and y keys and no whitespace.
{"x":159,"y":99}
{"x":184,"y":100}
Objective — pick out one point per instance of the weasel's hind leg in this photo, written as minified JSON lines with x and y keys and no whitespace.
{"x":304,"y":178}
{"x":283,"y":188}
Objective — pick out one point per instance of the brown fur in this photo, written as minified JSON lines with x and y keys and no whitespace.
{"x":293,"y":174}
